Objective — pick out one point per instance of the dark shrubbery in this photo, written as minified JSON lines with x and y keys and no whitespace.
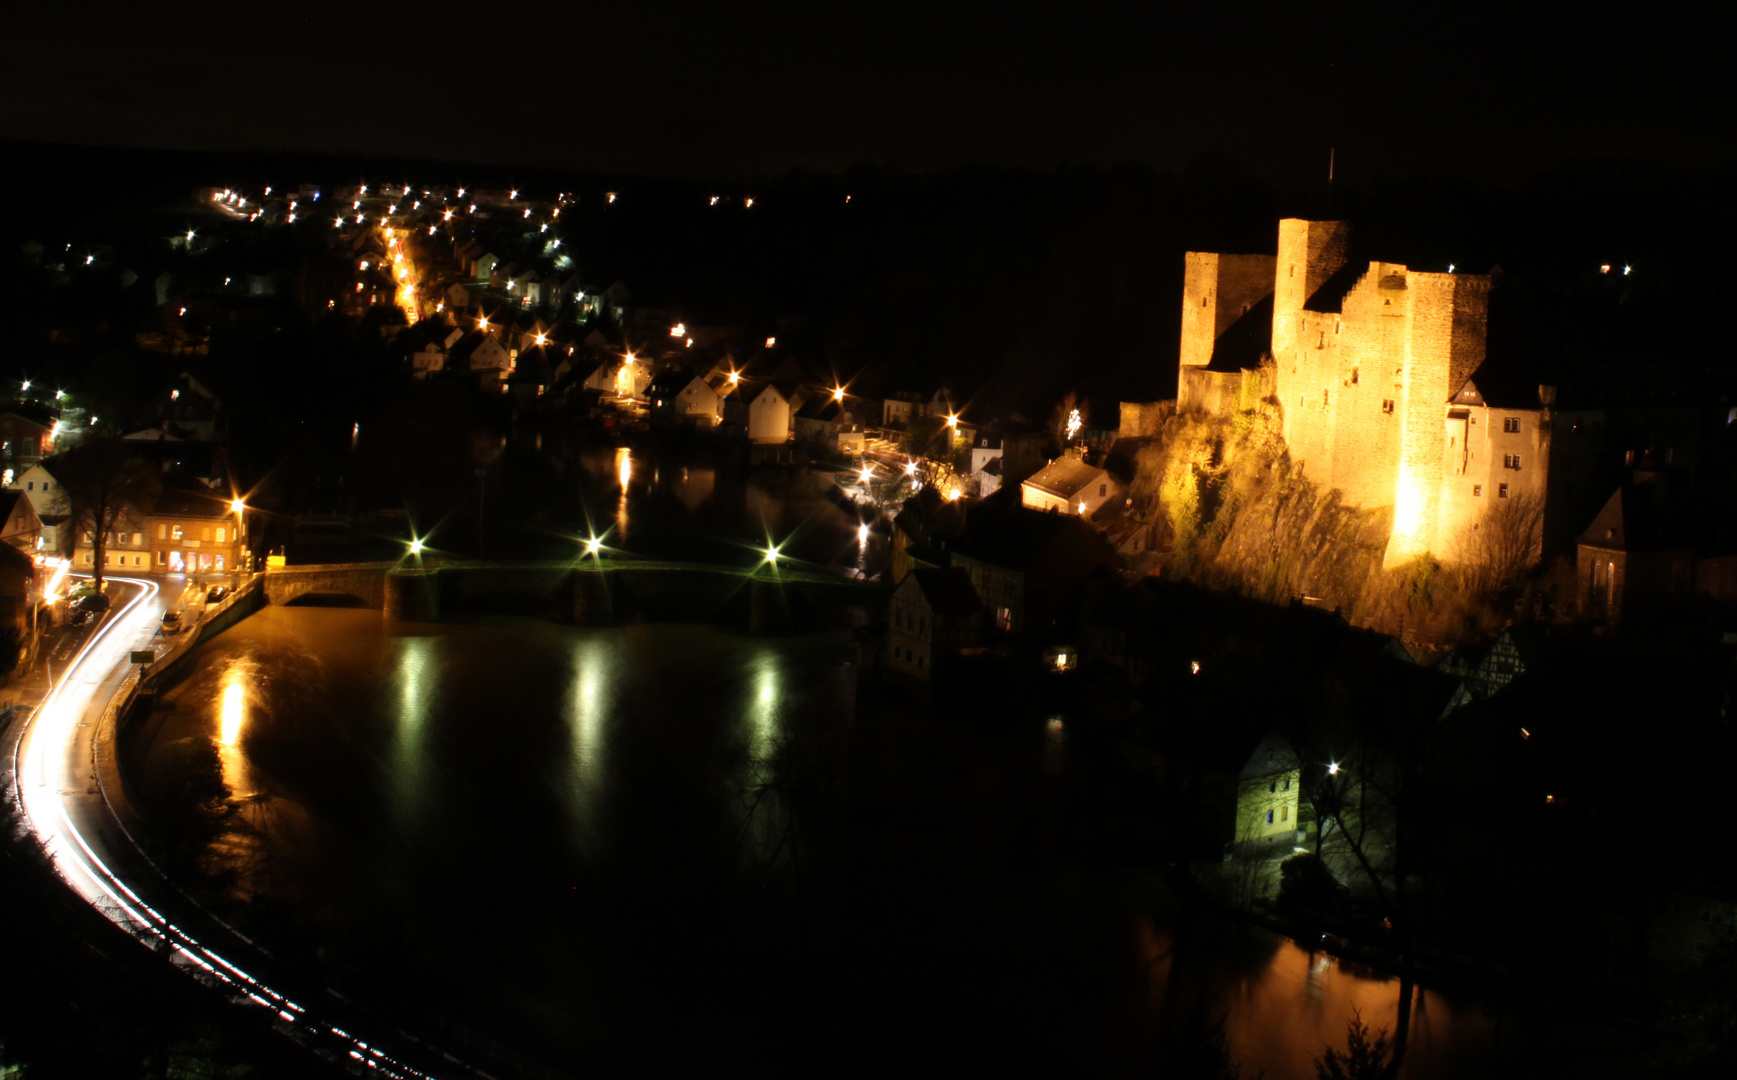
{"x":1307,"y":887}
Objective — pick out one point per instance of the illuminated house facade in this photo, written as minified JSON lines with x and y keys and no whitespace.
{"x":1376,"y":369}
{"x":1267,"y":791}
{"x":192,"y":530}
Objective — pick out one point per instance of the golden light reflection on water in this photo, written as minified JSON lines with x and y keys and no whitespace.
{"x":624,"y":471}
{"x":231,"y":719}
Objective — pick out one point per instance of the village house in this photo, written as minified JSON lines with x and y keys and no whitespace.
{"x":19,"y":524}
{"x":1268,"y":788}
{"x":678,"y":397}
{"x":483,"y":355}
{"x":127,"y":546}
{"x":933,"y":614}
{"x":769,"y":416}
{"x":48,"y":502}
{"x":24,"y":441}
{"x":1027,"y":566}
{"x":194,"y":530}
{"x":821,"y":419}
{"x":1068,"y":485}
{"x":1636,"y":560}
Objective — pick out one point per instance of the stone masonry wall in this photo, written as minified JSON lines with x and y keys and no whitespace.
{"x":1216,"y":291}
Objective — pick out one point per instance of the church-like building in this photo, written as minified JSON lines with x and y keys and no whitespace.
{"x":1382,"y":379}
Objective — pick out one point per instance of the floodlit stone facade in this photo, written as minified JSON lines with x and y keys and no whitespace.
{"x":1374,"y":368}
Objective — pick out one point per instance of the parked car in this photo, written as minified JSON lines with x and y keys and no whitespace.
{"x":216,"y":593}
{"x":172,"y":623}
{"x":93,"y":602}
{"x":81,"y":617}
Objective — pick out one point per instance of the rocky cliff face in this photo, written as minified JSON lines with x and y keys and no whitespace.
{"x":1238,"y":516}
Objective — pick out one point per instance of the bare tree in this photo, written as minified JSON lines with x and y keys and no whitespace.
{"x":1497,"y":551}
{"x":103,"y":483}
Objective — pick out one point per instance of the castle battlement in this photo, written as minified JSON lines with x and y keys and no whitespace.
{"x":1370,"y":362}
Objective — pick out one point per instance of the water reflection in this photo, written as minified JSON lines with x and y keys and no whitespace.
{"x":231,"y":719}
{"x":666,"y":751}
{"x":415,"y":676}
{"x":591,"y":697}
{"x":624,"y":471}
{"x":763,"y":710}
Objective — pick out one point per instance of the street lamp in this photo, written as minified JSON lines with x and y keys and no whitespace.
{"x":415,"y":547}
{"x":593,"y":546}
{"x":236,"y":506}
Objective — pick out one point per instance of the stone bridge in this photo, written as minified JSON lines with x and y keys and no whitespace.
{"x":364,"y":581}
{"x":592,"y":593}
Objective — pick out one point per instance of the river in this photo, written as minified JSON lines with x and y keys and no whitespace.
{"x":670,"y":846}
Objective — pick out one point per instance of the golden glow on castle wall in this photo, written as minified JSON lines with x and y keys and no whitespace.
{"x":1373,"y":368}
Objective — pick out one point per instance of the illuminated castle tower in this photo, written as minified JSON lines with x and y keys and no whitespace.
{"x":1373,"y":369}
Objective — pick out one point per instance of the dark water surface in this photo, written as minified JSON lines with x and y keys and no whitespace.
{"x":665,"y":846}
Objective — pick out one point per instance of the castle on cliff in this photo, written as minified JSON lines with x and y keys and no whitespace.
{"x":1382,"y":381}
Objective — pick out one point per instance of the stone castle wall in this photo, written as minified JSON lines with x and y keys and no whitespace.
{"x":1216,"y":291}
{"x":1364,"y":374}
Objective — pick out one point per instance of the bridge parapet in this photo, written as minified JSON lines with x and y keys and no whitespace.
{"x":365,"y":581}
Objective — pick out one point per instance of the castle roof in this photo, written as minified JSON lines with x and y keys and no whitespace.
{"x":1639,"y":517}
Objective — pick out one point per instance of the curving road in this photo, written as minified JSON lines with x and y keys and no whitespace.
{"x":67,"y":807}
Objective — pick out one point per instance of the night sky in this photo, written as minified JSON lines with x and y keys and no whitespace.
{"x":1489,"y":93}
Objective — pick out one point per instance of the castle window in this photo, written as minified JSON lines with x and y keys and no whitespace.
{"x":1203,"y":301}
{"x":1511,"y":424}
{"x":1336,"y":326}
{"x":1322,"y":343}
{"x":1353,"y":376}
{"x":1323,"y":397}
{"x":1387,"y":406}
{"x":1477,"y":491}
{"x":1501,"y":491}
{"x":1511,"y":461}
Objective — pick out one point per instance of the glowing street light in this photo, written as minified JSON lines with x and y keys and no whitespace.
{"x":952,"y":420}
{"x":236,"y":506}
{"x":415,"y":547}
{"x":1332,"y":768}
{"x":593,"y":546}
{"x":735,"y":377}
{"x":772,"y":555}
{"x":838,"y":393}
{"x":866,"y":472}
{"x":910,"y":468}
